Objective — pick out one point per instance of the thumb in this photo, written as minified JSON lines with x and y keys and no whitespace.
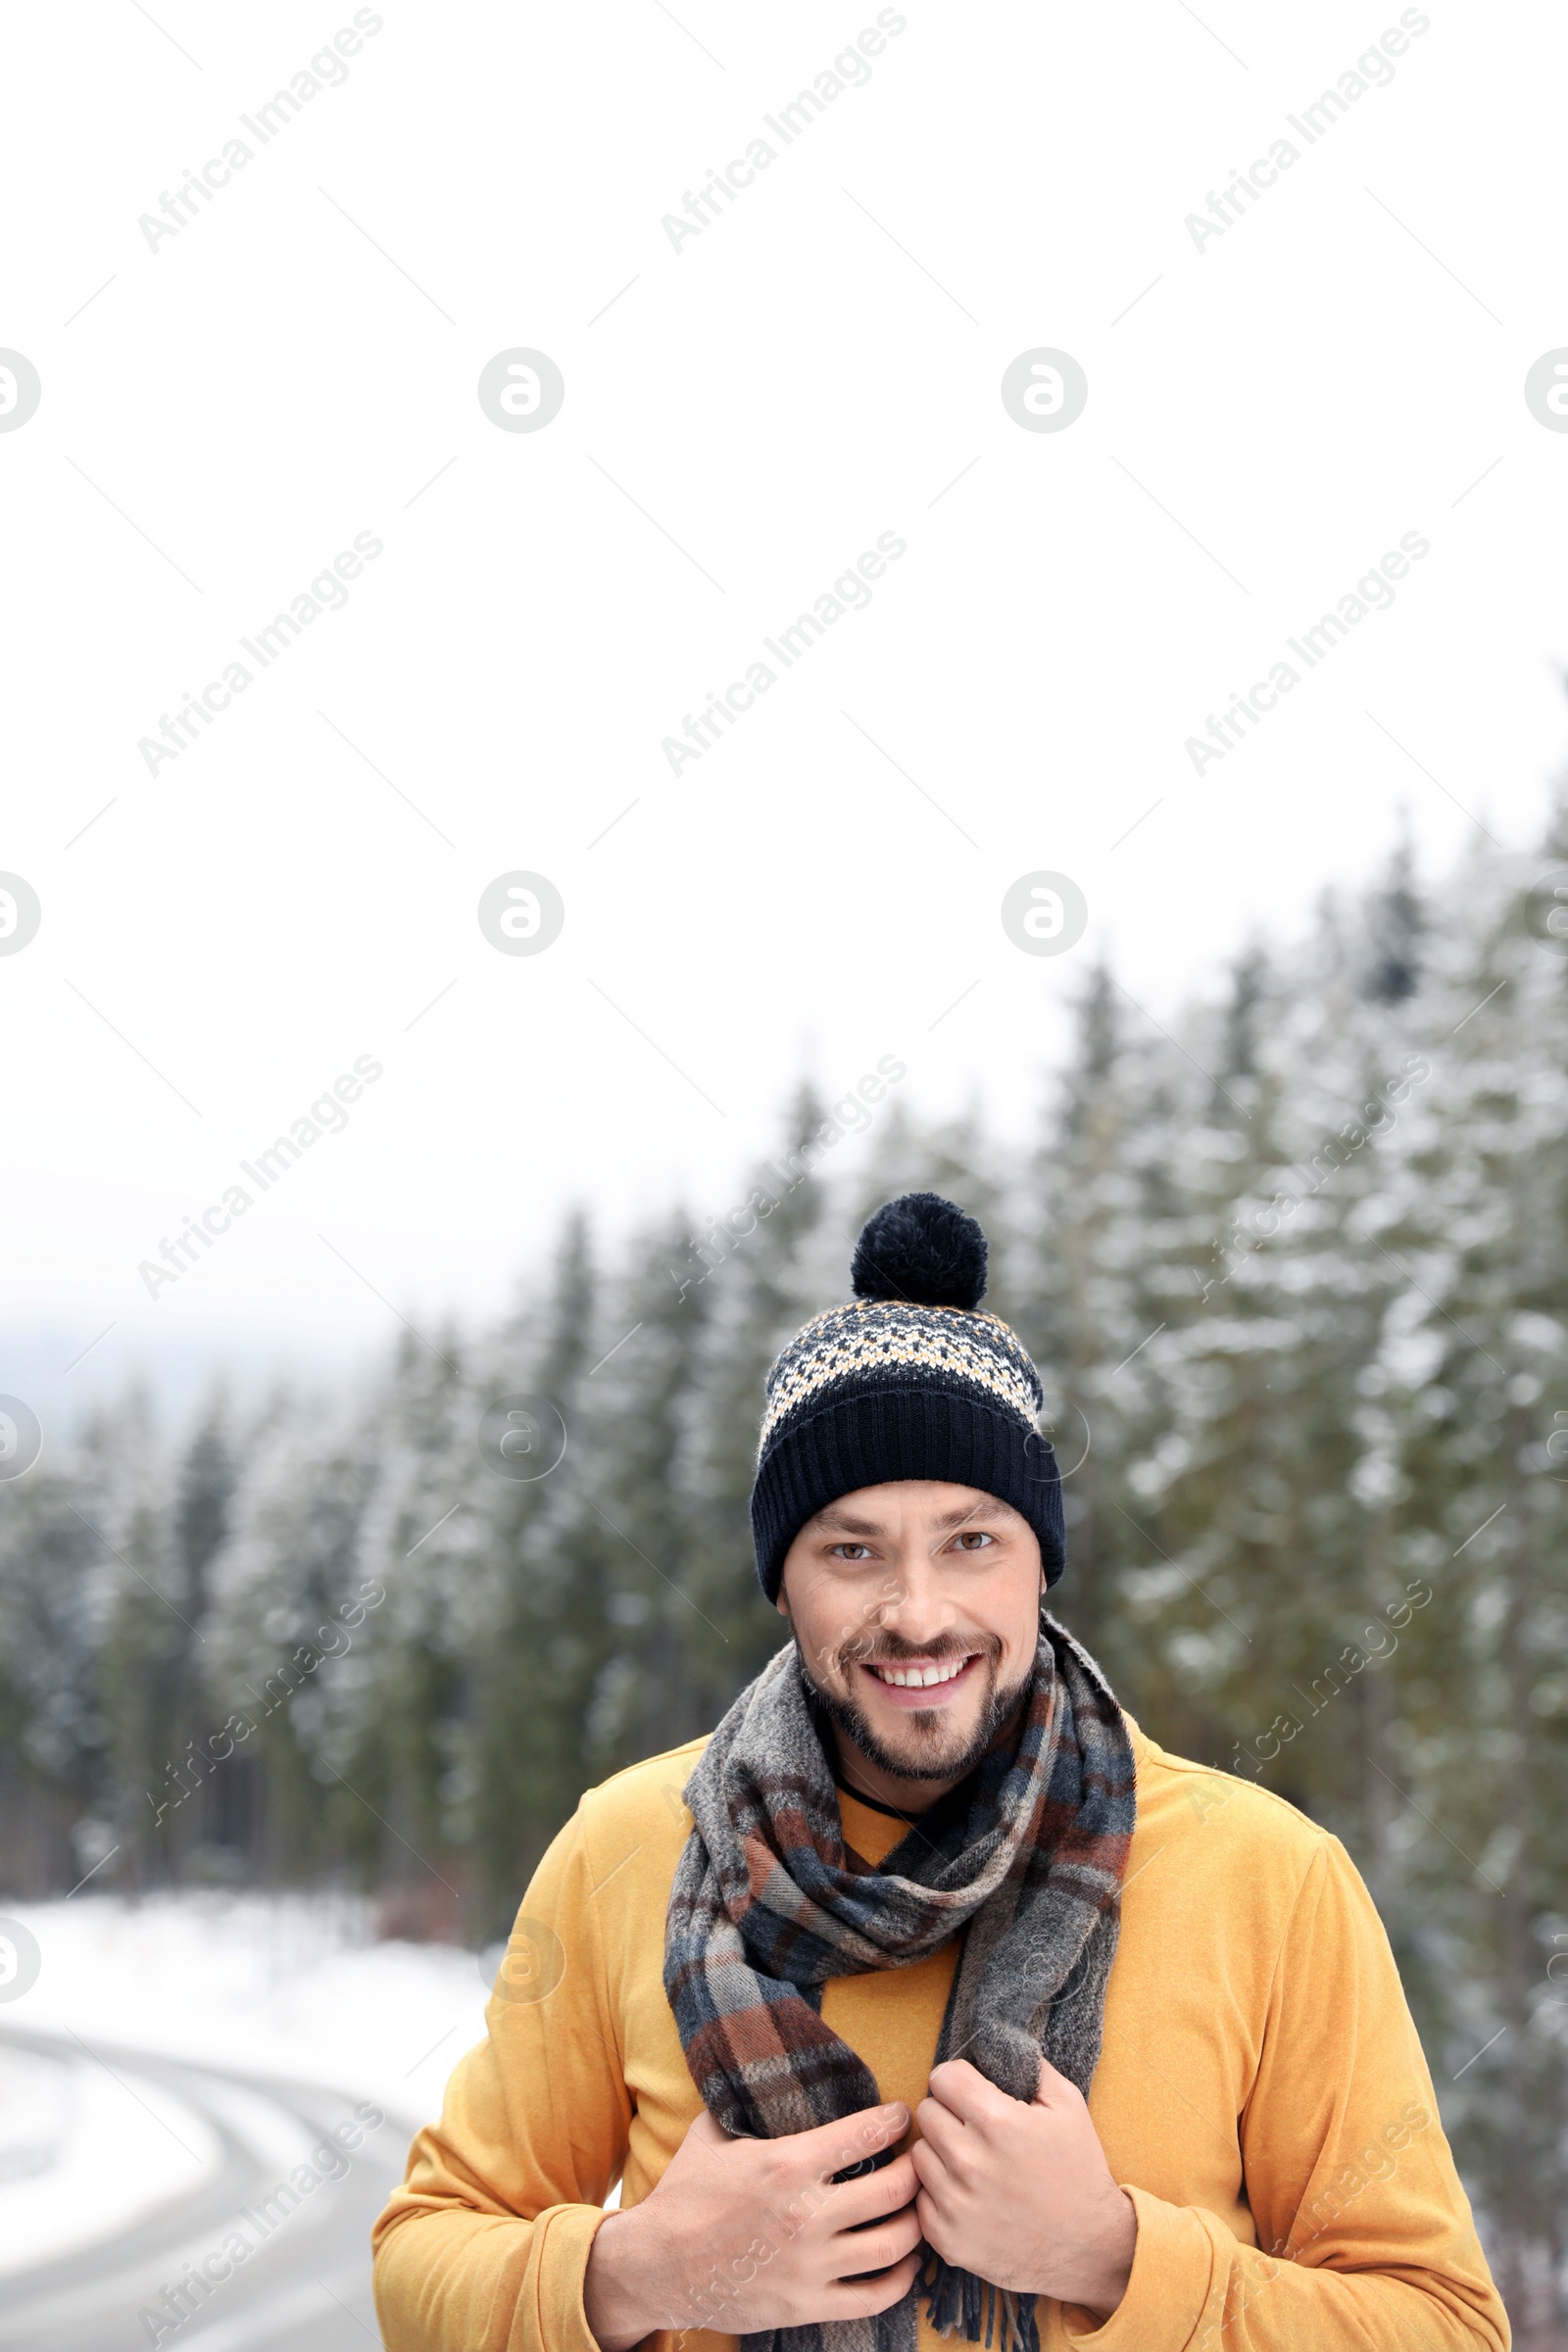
{"x":1054,"y":2089}
{"x":705,"y":2131}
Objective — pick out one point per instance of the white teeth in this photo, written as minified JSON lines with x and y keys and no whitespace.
{"x":919,"y":1676}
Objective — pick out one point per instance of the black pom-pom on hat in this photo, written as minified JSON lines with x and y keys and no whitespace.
{"x":922,"y":1250}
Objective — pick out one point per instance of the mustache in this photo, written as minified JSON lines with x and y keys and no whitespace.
{"x":891,"y":1649}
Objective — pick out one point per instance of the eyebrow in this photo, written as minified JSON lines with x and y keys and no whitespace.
{"x":987,"y":1507}
{"x":849,"y":1525}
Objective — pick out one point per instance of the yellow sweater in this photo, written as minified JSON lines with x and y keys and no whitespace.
{"x":1261,"y":2095}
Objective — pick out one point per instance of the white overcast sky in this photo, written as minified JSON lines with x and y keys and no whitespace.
{"x":224,"y":410}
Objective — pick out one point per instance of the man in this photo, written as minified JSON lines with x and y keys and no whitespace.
{"x":930,"y":1998}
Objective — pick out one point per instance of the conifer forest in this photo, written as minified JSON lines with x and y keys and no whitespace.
{"x":1295,"y":1269}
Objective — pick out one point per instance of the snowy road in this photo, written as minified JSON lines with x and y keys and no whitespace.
{"x":258,"y":2192}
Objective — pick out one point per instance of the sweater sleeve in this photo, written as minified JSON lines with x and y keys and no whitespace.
{"x":1365,"y":2237}
{"x":484,"y":2246}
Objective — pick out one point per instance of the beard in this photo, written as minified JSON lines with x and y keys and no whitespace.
{"x":930,"y":1749}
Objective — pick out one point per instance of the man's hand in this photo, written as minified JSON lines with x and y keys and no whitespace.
{"x":1022,"y":2195}
{"x":746,"y":2235}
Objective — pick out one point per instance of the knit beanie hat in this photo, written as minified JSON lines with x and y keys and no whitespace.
{"x":910,"y":1381}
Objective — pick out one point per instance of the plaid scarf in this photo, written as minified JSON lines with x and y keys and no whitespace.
{"x":1024,"y":1860}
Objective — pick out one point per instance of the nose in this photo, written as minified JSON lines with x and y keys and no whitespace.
{"x":918,"y":1610}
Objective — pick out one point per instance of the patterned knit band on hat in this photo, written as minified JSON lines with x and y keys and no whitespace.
{"x":910,"y":1381}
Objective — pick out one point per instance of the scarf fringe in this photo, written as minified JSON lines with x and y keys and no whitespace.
{"x":957,"y":2302}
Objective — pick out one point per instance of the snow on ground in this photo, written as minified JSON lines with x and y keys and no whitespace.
{"x":290,"y":1986}
{"x":281,"y":1984}
{"x":77,"y":2143}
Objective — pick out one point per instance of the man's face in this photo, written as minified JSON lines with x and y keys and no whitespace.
{"x":916,"y":1608}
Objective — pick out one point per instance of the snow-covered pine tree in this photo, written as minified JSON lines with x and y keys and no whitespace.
{"x":539,"y":1628}
{"x":777,"y":1256}
{"x":289,"y":1568}
{"x":1098,"y":1255}
{"x":59,"y":1798}
{"x":1474,"y":1396}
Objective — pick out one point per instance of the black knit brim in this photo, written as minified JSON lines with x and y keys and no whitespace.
{"x":868,"y":1439}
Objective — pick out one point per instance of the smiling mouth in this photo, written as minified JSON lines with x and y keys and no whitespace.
{"x":920,"y":1682}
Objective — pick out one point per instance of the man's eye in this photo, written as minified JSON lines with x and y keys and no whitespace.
{"x":973,"y":1539}
{"x":859,"y":1551}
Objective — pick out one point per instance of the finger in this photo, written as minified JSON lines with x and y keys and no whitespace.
{"x":939,"y":2190}
{"x":928,"y":2214}
{"x":874,"y":2293}
{"x":856,"y":2251}
{"x":939,"y":2129}
{"x":861,"y":2298}
{"x":829,"y":2148}
{"x":875,"y":2194}
{"x":964,"y":2092}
